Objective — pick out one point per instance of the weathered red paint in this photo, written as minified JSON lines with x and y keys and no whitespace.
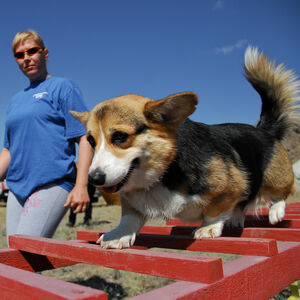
{"x":17,"y":284}
{"x":170,"y":265}
{"x":248,"y":277}
{"x":252,"y":220}
{"x":266,"y":267}
{"x":32,"y":262}
{"x":243,"y":246}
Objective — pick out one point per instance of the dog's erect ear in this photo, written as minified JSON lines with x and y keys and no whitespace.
{"x":80,"y":116}
{"x":172,"y":110}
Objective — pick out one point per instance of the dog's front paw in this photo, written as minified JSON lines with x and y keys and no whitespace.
{"x":209,"y":231}
{"x":114,"y":240}
{"x":277,"y":212}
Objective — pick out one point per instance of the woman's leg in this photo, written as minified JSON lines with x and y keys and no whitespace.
{"x":14,"y":211}
{"x":43,"y":211}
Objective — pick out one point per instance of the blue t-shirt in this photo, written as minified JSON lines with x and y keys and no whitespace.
{"x":40,"y":132}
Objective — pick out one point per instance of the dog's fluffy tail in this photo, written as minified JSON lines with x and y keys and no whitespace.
{"x":278,"y":89}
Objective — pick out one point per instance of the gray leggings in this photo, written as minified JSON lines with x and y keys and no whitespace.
{"x":40,"y":215}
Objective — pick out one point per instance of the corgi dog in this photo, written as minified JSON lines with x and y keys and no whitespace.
{"x":166,"y":166}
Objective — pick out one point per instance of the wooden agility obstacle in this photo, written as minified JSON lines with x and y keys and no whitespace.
{"x":269,"y":262}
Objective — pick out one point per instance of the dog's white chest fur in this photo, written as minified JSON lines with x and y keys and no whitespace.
{"x":160,"y":202}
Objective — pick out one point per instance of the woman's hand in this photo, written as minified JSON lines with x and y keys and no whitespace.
{"x":78,"y":199}
{"x":4,"y":162}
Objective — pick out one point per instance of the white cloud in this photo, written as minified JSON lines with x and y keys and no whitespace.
{"x":219,"y":4}
{"x":228,"y":49}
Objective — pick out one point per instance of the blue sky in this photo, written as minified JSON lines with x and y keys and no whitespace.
{"x":154,"y":48}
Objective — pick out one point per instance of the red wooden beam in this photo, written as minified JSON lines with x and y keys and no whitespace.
{"x":292,"y":216}
{"x":289,"y":209}
{"x":280,"y":234}
{"x":19,"y":284}
{"x":251,"y":221}
{"x":170,"y":265}
{"x":242,"y":246}
{"x":263,"y":221}
{"x":248,"y":277}
{"x":265,"y":211}
{"x":294,"y":204}
{"x":32,"y":262}
{"x":168,"y":230}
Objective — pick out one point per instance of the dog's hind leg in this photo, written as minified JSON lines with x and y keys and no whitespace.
{"x":212,"y":227}
{"x":227,"y":183}
{"x":276,"y":211}
{"x":276,"y":208}
{"x":278,"y":183}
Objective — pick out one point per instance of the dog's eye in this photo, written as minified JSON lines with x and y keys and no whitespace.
{"x":92,"y":141}
{"x":119,"y":137}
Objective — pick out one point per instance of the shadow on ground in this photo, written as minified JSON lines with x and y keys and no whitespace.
{"x":113,"y":290}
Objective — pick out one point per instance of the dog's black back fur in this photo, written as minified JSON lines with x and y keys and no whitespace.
{"x":248,"y":147}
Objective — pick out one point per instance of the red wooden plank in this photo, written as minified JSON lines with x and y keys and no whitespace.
{"x":263,"y":221}
{"x":294,"y":204}
{"x":167,"y":229}
{"x":19,"y":284}
{"x":176,"y":222}
{"x":248,"y":277}
{"x":265,"y":211}
{"x":280,"y":234}
{"x":170,"y":265}
{"x":292,"y":216}
{"x":242,"y":246}
{"x":252,"y":220}
{"x":289,"y":208}
{"x":32,"y":262}
{"x":295,"y":210}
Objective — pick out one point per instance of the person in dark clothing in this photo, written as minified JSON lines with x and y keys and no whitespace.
{"x":88,"y":212}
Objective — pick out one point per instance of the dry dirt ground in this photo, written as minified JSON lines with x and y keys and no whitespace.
{"x":118,"y":284}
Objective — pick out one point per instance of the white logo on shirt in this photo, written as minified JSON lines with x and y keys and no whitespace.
{"x":40,"y":95}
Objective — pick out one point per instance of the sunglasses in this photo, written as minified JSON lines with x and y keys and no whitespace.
{"x":30,"y":52}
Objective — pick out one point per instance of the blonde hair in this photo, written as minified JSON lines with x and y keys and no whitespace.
{"x":20,"y":37}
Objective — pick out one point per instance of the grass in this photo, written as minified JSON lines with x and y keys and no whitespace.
{"x":118,"y":284}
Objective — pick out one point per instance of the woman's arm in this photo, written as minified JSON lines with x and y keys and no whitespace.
{"x":78,"y":198}
{"x":4,"y":162}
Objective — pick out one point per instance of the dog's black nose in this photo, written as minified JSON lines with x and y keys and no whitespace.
{"x":96,"y":177}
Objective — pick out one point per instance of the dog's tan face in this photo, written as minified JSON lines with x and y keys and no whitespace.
{"x":133,"y":139}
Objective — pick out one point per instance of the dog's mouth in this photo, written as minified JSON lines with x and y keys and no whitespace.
{"x":115,"y":188}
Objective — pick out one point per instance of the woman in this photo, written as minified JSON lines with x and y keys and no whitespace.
{"x":39,"y":146}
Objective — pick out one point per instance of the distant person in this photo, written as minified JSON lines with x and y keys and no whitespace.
{"x":39,"y":146}
{"x":87,"y":213}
